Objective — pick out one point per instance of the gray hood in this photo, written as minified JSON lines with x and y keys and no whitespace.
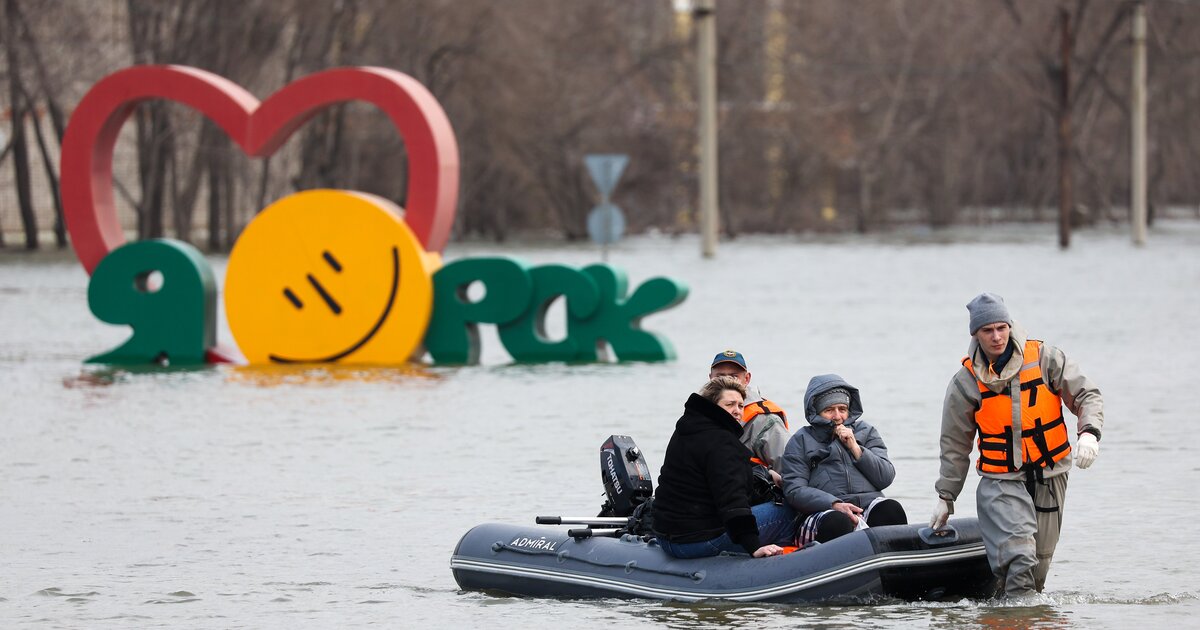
{"x":821,"y":384}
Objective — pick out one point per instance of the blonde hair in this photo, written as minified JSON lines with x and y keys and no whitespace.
{"x":712,"y":389}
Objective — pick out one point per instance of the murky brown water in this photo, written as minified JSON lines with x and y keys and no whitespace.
{"x":253,"y":498}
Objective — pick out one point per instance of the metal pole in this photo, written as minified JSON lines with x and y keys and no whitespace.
{"x":598,"y":521}
{"x":1138,"y":122}
{"x":604,"y":241}
{"x":607,"y":227}
{"x":1065,"y":190}
{"x":706,"y":60}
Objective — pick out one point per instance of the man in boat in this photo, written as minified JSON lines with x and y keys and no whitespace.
{"x":764,"y":423}
{"x":836,"y":469}
{"x":1008,"y":397}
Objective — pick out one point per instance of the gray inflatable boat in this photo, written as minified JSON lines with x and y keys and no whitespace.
{"x":608,"y":559}
{"x":907,"y":562}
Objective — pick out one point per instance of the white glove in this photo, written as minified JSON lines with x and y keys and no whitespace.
{"x":941,"y":514}
{"x":1086,"y":450}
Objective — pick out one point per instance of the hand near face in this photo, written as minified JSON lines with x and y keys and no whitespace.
{"x":845,"y":435}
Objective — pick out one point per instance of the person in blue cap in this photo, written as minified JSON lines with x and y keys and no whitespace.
{"x":764,"y":423}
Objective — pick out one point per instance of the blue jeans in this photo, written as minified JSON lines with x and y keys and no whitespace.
{"x":775,"y":526}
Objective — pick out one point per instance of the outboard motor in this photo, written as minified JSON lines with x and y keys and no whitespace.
{"x":626,"y":476}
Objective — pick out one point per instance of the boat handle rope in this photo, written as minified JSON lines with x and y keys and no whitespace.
{"x":629,"y":567}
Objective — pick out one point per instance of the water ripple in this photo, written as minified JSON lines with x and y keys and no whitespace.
{"x":179,"y":597}
{"x":55,"y":591}
{"x":140,"y":478}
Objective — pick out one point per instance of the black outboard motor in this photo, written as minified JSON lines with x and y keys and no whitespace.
{"x":625,"y":474}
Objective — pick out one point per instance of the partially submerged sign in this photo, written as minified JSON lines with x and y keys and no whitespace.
{"x":606,"y":223}
{"x":606,"y":169}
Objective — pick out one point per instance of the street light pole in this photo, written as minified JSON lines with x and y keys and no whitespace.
{"x":1066,"y":191}
{"x":1138,"y":124}
{"x":704,"y":14}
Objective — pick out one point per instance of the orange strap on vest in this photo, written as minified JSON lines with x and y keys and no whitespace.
{"x":762,"y":406}
{"x":1044,"y":437}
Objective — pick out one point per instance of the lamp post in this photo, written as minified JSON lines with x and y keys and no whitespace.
{"x":1137,"y":108}
{"x":704,"y":15}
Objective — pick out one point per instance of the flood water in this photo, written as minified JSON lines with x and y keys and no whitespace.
{"x":250,"y":498}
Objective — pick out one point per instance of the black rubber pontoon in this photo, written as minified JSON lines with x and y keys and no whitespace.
{"x":901,"y":561}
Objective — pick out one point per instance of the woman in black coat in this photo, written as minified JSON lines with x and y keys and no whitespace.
{"x":702,"y":505}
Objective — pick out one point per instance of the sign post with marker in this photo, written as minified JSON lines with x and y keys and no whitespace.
{"x":605,"y":223}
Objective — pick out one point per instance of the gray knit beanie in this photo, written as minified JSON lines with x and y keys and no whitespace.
{"x":835,"y":396}
{"x":987,"y":308}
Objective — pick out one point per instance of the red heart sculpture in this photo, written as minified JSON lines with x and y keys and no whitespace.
{"x":259,"y":128}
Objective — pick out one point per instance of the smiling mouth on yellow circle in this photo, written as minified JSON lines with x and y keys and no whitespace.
{"x":337,"y":310}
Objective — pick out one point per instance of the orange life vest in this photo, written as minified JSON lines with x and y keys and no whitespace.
{"x":1044,"y":438}
{"x":763,"y":406}
{"x":760,"y":407}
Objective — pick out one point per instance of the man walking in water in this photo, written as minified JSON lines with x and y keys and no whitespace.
{"x":1009,"y":396}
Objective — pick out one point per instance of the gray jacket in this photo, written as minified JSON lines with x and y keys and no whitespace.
{"x":817,"y":468}
{"x":1062,"y":376}
{"x":766,"y":435}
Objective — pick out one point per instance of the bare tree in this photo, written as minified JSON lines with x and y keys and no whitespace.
{"x":49,"y":95}
{"x":21,"y":107}
{"x":834,"y":115}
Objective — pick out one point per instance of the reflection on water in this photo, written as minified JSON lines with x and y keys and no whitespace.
{"x":104,"y":375}
{"x":333,"y":496}
{"x":326,"y":375}
{"x":992,"y":614}
{"x":1004,"y":616}
{"x":258,"y":375}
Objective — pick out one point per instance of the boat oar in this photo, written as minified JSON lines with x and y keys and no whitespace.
{"x":588,"y":532}
{"x":590,"y":521}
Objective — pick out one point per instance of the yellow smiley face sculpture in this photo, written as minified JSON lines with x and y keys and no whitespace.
{"x":329,"y":276}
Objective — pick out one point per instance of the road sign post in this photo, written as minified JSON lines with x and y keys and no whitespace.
{"x":606,"y":223}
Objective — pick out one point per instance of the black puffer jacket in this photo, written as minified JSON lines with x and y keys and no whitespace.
{"x":705,"y":481}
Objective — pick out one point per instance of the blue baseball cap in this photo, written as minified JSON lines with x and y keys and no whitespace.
{"x":730,"y":356}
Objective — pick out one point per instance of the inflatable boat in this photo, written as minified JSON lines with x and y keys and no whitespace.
{"x":900,"y":561}
{"x":613,"y":556}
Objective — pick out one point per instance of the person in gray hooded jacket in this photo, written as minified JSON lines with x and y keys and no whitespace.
{"x":835,"y":469}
